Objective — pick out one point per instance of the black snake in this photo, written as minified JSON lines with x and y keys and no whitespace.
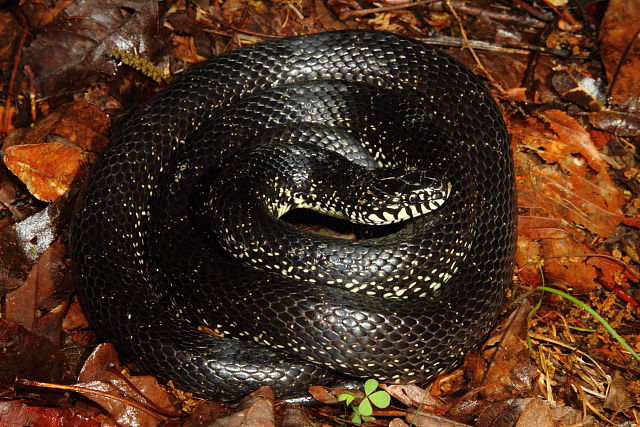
{"x":401,"y":306}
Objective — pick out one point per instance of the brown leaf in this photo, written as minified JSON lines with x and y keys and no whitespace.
{"x":16,"y":203}
{"x":293,"y":415}
{"x":48,"y":156}
{"x":48,"y":170}
{"x":329,"y":395}
{"x":75,"y":318}
{"x":204,"y":411}
{"x":580,"y":88}
{"x":14,"y":263}
{"x":255,"y":410}
{"x":414,"y":396}
{"x":572,"y":138}
{"x":503,"y":413}
{"x":74,"y":49}
{"x":100,"y":373}
{"x":571,"y":194}
{"x":41,"y":302}
{"x":397,"y":422}
{"x":560,"y":200}
{"x":79,"y":123}
{"x":620,"y":123}
{"x":511,"y":371}
{"x":19,"y":413}
{"x":563,"y":258}
{"x":26,"y":355}
{"x":9,"y":36}
{"x":620,"y":52}
{"x":618,"y":398}
{"x":423,"y":419}
{"x":542,"y":413}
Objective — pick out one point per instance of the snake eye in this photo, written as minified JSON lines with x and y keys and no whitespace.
{"x":413,"y":198}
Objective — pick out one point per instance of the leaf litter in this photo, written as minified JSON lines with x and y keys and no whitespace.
{"x":574,"y":123}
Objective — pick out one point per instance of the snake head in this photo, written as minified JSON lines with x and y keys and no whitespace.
{"x":395,"y":195}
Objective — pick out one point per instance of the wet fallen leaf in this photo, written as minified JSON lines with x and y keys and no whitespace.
{"x":511,"y":371}
{"x":618,"y":398}
{"x":255,"y":410}
{"x":580,"y":88}
{"x":542,"y":413}
{"x":48,"y":170}
{"x":619,"y":122}
{"x":23,"y":413}
{"x":414,"y":396}
{"x":563,"y":201}
{"x":26,"y":355}
{"x":74,"y":50}
{"x":620,"y":52}
{"x":41,"y":302}
{"x":104,"y":384}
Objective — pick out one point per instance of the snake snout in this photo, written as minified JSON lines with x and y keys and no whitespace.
{"x":400,"y":195}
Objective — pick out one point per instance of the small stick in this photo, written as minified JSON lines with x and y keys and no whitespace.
{"x":472,"y":51}
{"x":12,"y":80}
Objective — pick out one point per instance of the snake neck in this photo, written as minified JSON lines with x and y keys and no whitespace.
{"x":275,"y":178}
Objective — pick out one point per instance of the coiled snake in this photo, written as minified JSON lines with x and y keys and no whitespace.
{"x":401,"y":306}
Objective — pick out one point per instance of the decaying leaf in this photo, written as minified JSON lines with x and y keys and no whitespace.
{"x":145,"y":402}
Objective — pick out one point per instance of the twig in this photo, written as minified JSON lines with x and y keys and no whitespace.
{"x":32,"y":91}
{"x":14,"y":72}
{"x":81,"y":390}
{"x":520,"y":18}
{"x":218,"y":17}
{"x":472,"y":51}
{"x":351,"y":13}
{"x":532,"y":11}
{"x":562,"y":13}
{"x":520,"y":49}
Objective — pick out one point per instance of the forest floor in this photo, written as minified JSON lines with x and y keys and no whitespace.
{"x":566,"y":74}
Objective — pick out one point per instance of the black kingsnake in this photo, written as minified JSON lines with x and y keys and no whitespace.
{"x":402,"y":307}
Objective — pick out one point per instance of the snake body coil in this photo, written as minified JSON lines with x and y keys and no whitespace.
{"x":399,"y":307}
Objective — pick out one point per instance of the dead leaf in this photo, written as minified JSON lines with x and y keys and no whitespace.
{"x":74,"y":50}
{"x":423,"y":419}
{"x":329,"y":395}
{"x":48,"y":156}
{"x":203,"y":412}
{"x":26,"y":355}
{"x":79,"y":123}
{"x":511,"y":371}
{"x":573,"y":138}
{"x":620,"y":123}
{"x":563,"y":202}
{"x":580,"y":88}
{"x":295,"y":415}
{"x":10,"y":31}
{"x":16,"y":203}
{"x":48,"y":170}
{"x":618,"y":398}
{"x":416,"y":397}
{"x":41,"y":302}
{"x":24,"y":413}
{"x":255,"y":410}
{"x":542,"y":413}
{"x":620,"y":52}
{"x":101,"y":374}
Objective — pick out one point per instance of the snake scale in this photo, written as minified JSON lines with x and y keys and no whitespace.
{"x":401,"y":305}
